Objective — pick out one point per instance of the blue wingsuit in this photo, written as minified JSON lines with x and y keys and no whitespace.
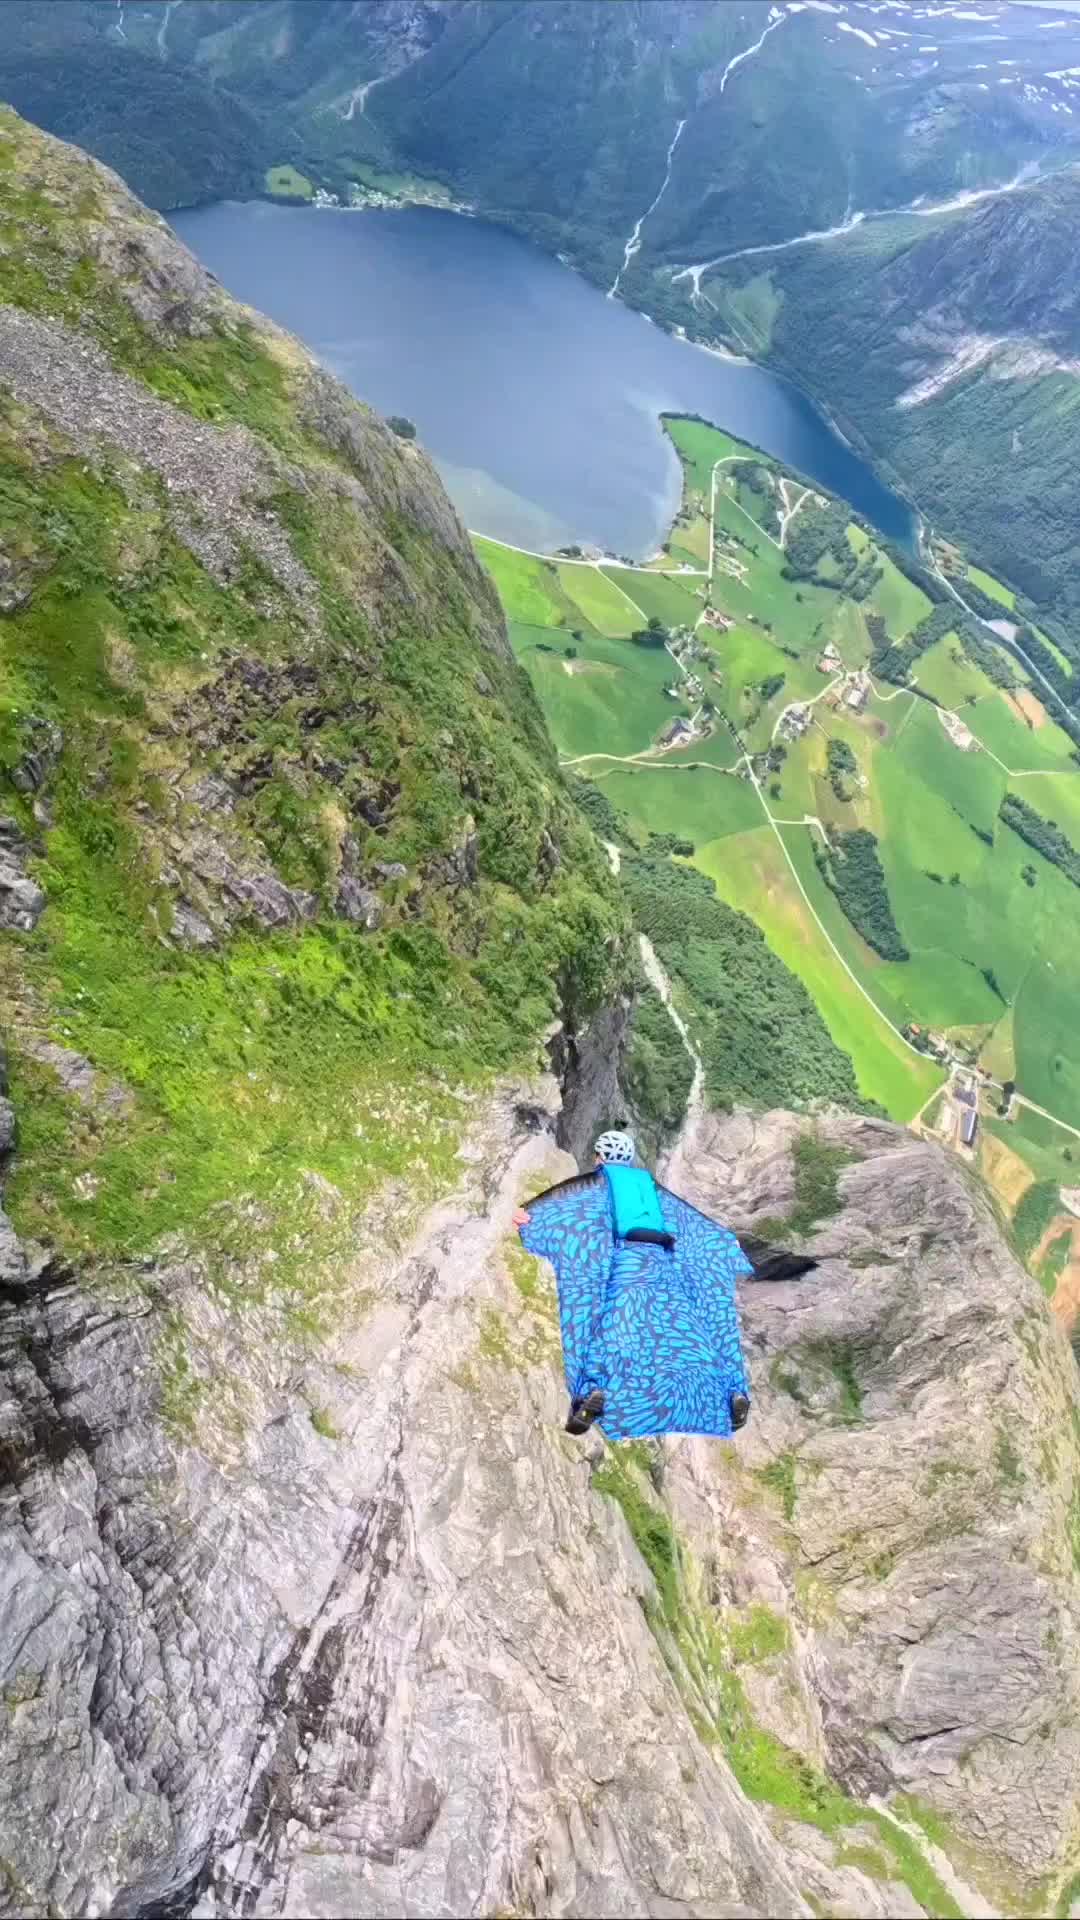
{"x":653,"y":1326}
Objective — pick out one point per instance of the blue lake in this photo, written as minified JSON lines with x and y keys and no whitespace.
{"x":537,"y":395}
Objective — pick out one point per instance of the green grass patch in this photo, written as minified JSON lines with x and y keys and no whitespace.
{"x":285,"y":183}
{"x":995,"y":588}
{"x":758,"y":1634}
{"x":1022,"y":748}
{"x":1055,"y":1262}
{"x":608,"y":610}
{"x":1047,"y":1066}
{"x":818,"y":1166}
{"x":1068,"y":1897}
{"x":699,"y":447}
{"x":1056,"y":796}
{"x":649,"y":1524}
{"x":696,"y":803}
{"x":718,"y":749}
{"x":899,"y":601}
{"x":1037,"y":1209}
{"x":599,"y":696}
{"x":1052,"y":1152}
{"x":946,"y":673}
{"x":657,"y":594}
{"x":779,"y":1477}
{"x":528,"y":587}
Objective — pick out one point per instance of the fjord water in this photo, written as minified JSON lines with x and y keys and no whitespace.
{"x":537,"y":395}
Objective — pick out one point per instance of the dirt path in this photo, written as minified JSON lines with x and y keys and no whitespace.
{"x":608,"y":560}
{"x":791,"y":507}
{"x":696,"y":1112}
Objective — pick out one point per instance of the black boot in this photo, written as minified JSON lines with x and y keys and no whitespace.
{"x":584,"y":1411}
{"x":740,"y":1411}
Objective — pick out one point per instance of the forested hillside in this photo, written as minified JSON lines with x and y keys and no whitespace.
{"x":951,"y":348}
{"x":558,"y":114}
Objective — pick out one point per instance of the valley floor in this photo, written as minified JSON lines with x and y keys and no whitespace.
{"x":753,"y":726}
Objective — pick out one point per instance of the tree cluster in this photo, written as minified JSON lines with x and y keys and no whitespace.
{"x":1044,"y":835}
{"x":851,"y":868}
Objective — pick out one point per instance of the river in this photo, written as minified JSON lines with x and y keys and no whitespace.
{"x":536,"y":394}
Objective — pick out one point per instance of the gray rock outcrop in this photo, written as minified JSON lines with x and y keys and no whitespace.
{"x":917,"y":1411}
{"x":22,"y":901}
{"x":351,"y":1628}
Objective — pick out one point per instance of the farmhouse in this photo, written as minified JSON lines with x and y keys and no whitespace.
{"x":829,"y":660}
{"x":722,"y":621}
{"x":960,"y":735}
{"x":969,"y":1126}
{"x":677,"y":734}
{"x":856,"y":696}
{"x":794,"y":722}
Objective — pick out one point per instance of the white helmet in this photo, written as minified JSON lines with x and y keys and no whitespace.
{"x":615,"y":1149}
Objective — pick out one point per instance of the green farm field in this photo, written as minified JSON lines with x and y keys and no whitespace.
{"x":609,"y":699}
{"x":949,"y":677}
{"x":528,"y":588}
{"x":988,"y":922}
{"x":699,"y":803}
{"x":750,"y":872}
{"x":601,"y":603}
{"x":658,"y":594}
{"x":1023,"y":749}
{"x":994,"y":588}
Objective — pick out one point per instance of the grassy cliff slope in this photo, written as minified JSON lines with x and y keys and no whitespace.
{"x":287,"y":866}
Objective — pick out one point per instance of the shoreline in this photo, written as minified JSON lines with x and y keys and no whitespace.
{"x":881,"y":473}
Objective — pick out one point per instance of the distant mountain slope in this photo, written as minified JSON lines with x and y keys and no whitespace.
{"x":952,"y":348}
{"x":648,"y":140}
{"x":558,"y":114}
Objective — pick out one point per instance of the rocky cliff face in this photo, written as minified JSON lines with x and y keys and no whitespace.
{"x":375,"y":1637}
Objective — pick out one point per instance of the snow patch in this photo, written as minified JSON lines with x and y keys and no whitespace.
{"x":860,"y":31}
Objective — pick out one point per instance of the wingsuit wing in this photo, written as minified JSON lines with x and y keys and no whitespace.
{"x":774,"y":1263}
{"x":570,"y":1225}
{"x":711,"y":1262}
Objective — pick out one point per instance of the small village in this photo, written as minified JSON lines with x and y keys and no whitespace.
{"x":363,"y":199}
